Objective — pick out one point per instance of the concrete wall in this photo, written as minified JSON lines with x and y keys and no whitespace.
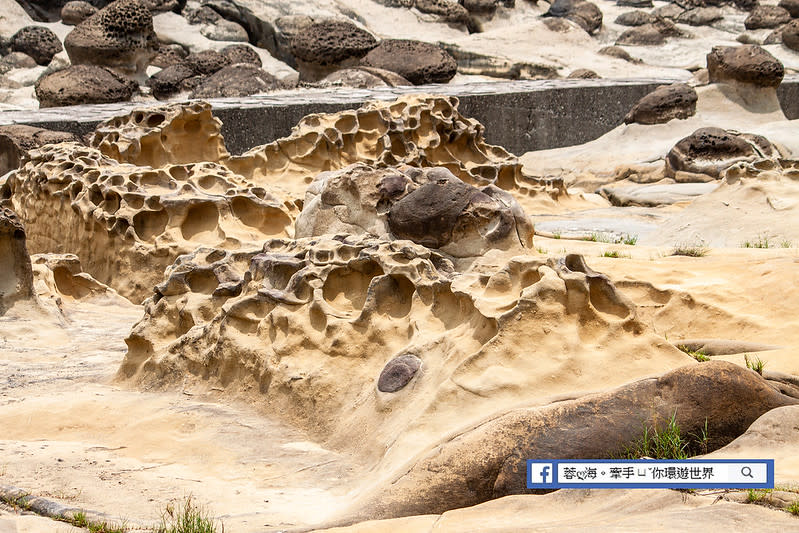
{"x":518,"y":115}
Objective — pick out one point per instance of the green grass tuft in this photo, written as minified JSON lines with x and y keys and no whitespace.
{"x":187,"y":517}
{"x":757,"y":495}
{"x":698,"y":249}
{"x":793,"y":508}
{"x":630,"y":240}
{"x":762,"y":241}
{"x":699,"y":355}
{"x":755,"y":364}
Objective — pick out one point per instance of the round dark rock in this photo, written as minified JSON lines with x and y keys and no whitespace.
{"x":791,"y":6}
{"x":331,"y":41}
{"x":635,"y":18}
{"x":790,"y":35}
{"x":237,"y":80}
{"x":398,"y":373}
{"x":206,"y":62}
{"x":418,"y":62}
{"x":711,"y":150}
{"x":635,"y":3}
{"x":38,"y":42}
{"x":169,"y":81}
{"x":584,"y":74}
{"x":766,"y":17}
{"x":83,"y":84}
{"x":644,"y":35}
{"x":241,"y":53}
{"x":618,"y":52}
{"x":168,"y":55}
{"x":16,"y":60}
{"x":700,"y":16}
{"x":746,"y":64}
{"x":665,"y":103}
{"x":76,"y":11}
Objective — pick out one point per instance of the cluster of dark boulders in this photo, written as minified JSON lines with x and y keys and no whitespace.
{"x":113,"y":44}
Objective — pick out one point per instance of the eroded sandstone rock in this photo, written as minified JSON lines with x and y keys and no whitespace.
{"x":709,"y":151}
{"x":17,"y":139}
{"x":16,"y":277}
{"x":748,"y":64}
{"x":428,"y":206}
{"x":83,"y":84}
{"x":119,"y":36}
{"x":665,"y":103}
{"x":766,"y":16}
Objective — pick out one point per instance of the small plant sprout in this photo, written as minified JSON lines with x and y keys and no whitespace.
{"x":665,"y":444}
{"x":629,"y":240}
{"x":793,"y":508}
{"x":755,"y":364}
{"x":556,"y":235}
{"x":699,"y":355}
{"x":762,"y":241}
{"x":187,"y":517}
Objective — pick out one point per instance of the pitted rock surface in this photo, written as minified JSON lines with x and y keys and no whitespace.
{"x":710,"y":151}
{"x":83,"y":84}
{"x":16,"y":277}
{"x":206,"y":62}
{"x":428,"y":206}
{"x":748,"y":64}
{"x":241,"y":53}
{"x":766,"y":16}
{"x":119,"y":36}
{"x":665,"y":103}
{"x":38,"y":42}
{"x":418,"y":62}
{"x":17,"y":139}
{"x":331,"y":42}
{"x":242,"y":79}
{"x":76,"y":11}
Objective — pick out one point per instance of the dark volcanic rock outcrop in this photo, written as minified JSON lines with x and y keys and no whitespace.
{"x":83,"y":84}
{"x":38,"y":42}
{"x":322,"y":47}
{"x":418,"y":62}
{"x":119,"y":36}
{"x":748,"y":64}
{"x":663,"y":104}
{"x":708,"y":151}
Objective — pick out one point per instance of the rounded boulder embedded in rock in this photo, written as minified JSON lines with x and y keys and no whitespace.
{"x":330,"y":42}
{"x":38,"y":42}
{"x":76,"y":11}
{"x":749,"y":64}
{"x":418,"y":62}
{"x":766,"y":17}
{"x":119,"y":36}
{"x":709,"y":151}
{"x":665,"y":103}
{"x":206,"y":62}
{"x":83,"y":84}
{"x":241,"y":53}
{"x":237,"y":80}
{"x":398,"y":373}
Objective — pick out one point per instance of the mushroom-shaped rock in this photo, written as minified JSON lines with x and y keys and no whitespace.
{"x":428,"y":206}
{"x":748,"y":64}
{"x":585,"y":14}
{"x":242,"y":79}
{"x":418,"y":62}
{"x":792,"y":6}
{"x":709,"y":151}
{"x":83,"y":84}
{"x":325,"y":46}
{"x":398,"y":373}
{"x":763,"y":16}
{"x":17,"y":139}
{"x":119,"y":36}
{"x":663,"y":104}
{"x":16,"y":275}
{"x":364,"y":77}
{"x":38,"y":42}
{"x":790,"y":35}
{"x":76,"y":11}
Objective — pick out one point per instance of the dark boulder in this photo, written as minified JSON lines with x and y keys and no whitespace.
{"x":241,"y":79}
{"x":398,"y":373}
{"x":38,"y":42}
{"x":418,"y":62}
{"x":83,"y":84}
{"x":665,"y":103}
{"x":766,"y":17}
{"x":749,"y":64}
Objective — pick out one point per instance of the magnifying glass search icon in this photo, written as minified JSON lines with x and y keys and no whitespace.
{"x":747,"y":472}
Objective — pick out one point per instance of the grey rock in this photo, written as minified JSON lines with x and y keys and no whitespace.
{"x":76,"y":11}
{"x":38,"y":42}
{"x":766,"y":17}
{"x":398,"y":373}
{"x":749,"y":64}
{"x":83,"y":84}
{"x":237,"y":80}
{"x":665,"y":103}
{"x":418,"y":62}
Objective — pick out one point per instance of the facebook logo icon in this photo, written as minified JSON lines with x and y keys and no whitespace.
{"x":540,"y":474}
